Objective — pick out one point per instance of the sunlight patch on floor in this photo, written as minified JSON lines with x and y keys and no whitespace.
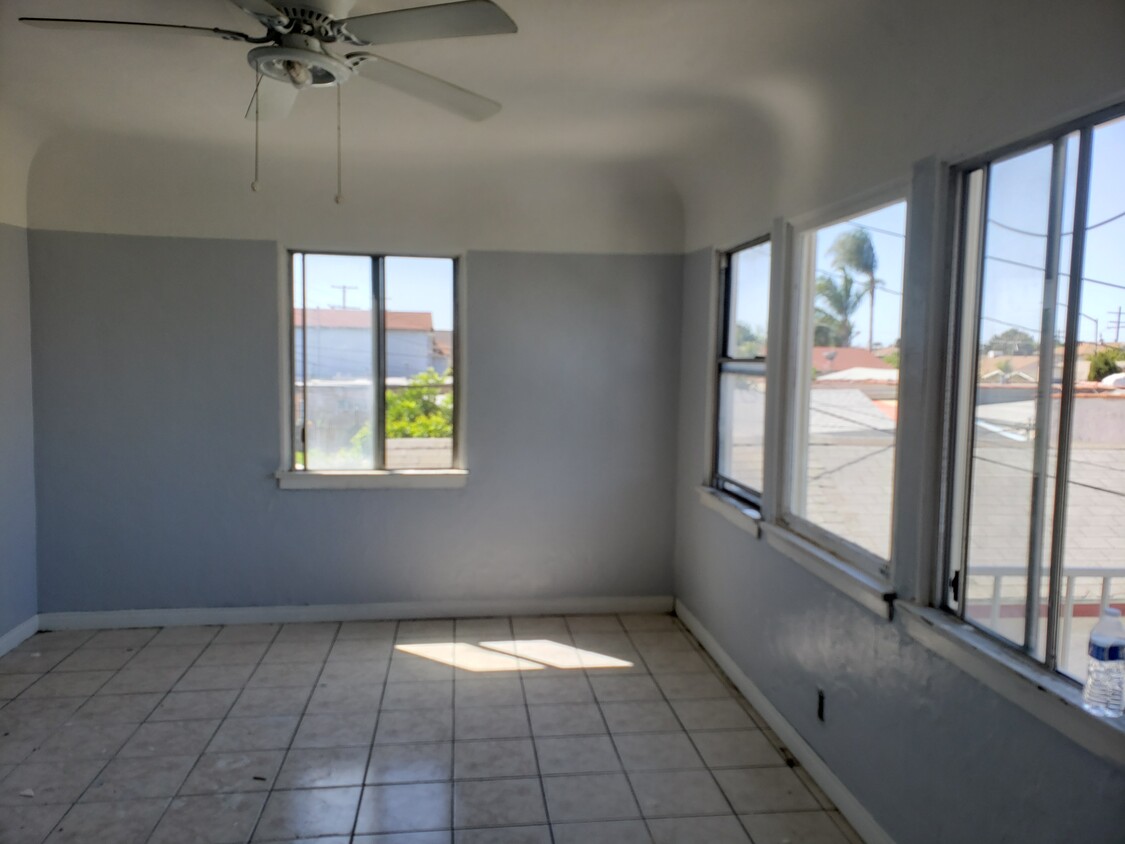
{"x":555,"y":654}
{"x":515,"y":655}
{"x":469,"y":657}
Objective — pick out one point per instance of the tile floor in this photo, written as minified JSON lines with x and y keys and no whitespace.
{"x":574,"y":730}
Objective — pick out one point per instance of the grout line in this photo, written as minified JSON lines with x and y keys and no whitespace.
{"x":452,"y":735}
{"x":531,"y":735}
{"x":191,"y":770}
{"x":300,"y":718}
{"x":664,"y":697}
{"x":163,"y":697}
{"x":374,"y":729}
{"x":609,"y":733}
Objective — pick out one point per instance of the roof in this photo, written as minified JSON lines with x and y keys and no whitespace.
{"x":408,"y":321}
{"x":443,"y":343}
{"x":1027,"y":364}
{"x":835,"y":359}
{"x":355,"y":318}
{"x":862,"y":373}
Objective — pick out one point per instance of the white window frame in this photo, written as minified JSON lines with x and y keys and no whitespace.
{"x":289,"y":478}
{"x":911,"y":597}
{"x":966,"y":285}
{"x":794,"y":242}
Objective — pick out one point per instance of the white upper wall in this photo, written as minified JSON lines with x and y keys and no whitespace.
{"x":20,"y":137}
{"x":147,"y":187}
{"x":950,"y":79}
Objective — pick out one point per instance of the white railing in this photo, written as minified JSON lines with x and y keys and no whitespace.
{"x":1069,"y":597}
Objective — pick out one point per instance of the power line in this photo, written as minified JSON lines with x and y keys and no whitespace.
{"x":1008,"y":261}
{"x":1017,"y":230}
{"x":1070,"y":481}
{"x":1061,"y":275}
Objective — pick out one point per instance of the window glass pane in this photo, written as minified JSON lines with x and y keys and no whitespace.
{"x":419,"y":362}
{"x":334,"y":363}
{"x":1005,"y":430}
{"x":749,"y":302}
{"x":847,"y":390}
{"x":742,"y":406}
{"x":1094,"y":550}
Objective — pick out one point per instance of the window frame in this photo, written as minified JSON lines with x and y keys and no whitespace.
{"x":791,"y":285}
{"x":911,"y":598}
{"x":288,"y":476}
{"x":953,"y":568}
{"x":723,"y":363}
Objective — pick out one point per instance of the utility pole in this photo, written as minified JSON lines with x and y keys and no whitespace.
{"x":344,"y":288}
{"x":1115,"y":324}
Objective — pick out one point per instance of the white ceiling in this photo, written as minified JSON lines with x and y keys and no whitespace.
{"x":608,"y":79}
{"x":792,"y":100}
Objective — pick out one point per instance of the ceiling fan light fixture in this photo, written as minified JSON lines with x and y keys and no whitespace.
{"x":300,"y":66}
{"x":299,"y":74}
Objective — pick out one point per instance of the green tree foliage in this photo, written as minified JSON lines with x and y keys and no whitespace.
{"x":837,"y":302}
{"x":749,"y":342}
{"x":424,"y":408}
{"x":853,"y":250}
{"x":1012,"y":342}
{"x":1104,"y":363}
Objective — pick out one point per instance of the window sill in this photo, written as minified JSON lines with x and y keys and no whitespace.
{"x":1042,"y":694}
{"x":738,"y":513}
{"x":399,"y":479}
{"x":867,"y":591}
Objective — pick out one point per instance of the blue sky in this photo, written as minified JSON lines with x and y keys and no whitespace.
{"x":1018,"y":214}
{"x":413,"y":284}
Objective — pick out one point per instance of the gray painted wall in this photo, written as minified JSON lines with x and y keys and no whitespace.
{"x":17,"y":440}
{"x":933,"y":755}
{"x":157,"y":413}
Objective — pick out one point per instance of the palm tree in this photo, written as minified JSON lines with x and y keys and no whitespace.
{"x":854,"y":250}
{"x":837,"y":304}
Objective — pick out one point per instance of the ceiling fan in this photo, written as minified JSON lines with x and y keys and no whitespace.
{"x":307,"y":46}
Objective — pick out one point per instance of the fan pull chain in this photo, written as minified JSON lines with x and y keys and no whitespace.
{"x":257,"y":105}
{"x":339,"y":152}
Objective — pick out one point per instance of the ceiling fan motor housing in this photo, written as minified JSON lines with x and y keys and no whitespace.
{"x":300,"y":60}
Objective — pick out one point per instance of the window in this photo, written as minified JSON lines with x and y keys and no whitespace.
{"x":359,"y":321}
{"x":843,"y":410}
{"x":739,"y":452}
{"x":1036,"y":544}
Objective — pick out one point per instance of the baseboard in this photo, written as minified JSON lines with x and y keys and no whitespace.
{"x":352,"y":612}
{"x":858,"y":816}
{"x":17,"y":634}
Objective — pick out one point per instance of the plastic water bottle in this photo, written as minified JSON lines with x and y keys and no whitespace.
{"x":1104,"y":693}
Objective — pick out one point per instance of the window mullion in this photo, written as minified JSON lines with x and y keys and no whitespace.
{"x":1066,"y":410}
{"x":720,"y":353}
{"x":1039,"y":489}
{"x":975,"y":204}
{"x":378,"y":368}
{"x":305,"y":359}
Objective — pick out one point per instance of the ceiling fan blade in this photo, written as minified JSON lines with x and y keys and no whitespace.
{"x":81,"y":23}
{"x":274,"y":99}
{"x":447,"y":20}
{"x":265,"y":12}
{"x":425,"y":87}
